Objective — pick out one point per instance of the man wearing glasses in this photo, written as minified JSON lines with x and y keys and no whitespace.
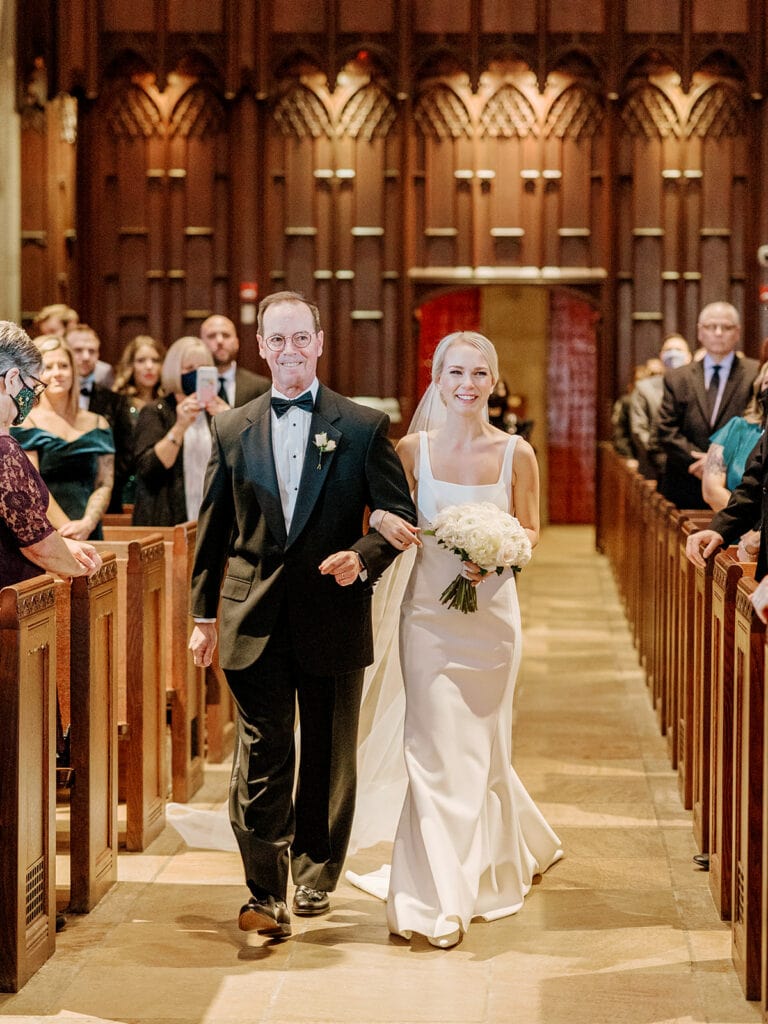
{"x":699,"y":399}
{"x":290,"y":477}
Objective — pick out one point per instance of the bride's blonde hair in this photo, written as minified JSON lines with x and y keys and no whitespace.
{"x":474,"y":338}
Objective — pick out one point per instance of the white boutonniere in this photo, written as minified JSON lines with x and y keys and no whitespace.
{"x":323,"y":445}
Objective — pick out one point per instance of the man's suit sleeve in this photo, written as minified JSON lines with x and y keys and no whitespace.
{"x":668,"y":434}
{"x":213,"y":537}
{"x":387,"y":489}
{"x":744,"y":509}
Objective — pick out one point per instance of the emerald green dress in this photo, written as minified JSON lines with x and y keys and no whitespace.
{"x":68,"y":467}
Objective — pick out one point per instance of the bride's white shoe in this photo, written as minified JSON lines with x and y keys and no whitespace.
{"x":445,"y":941}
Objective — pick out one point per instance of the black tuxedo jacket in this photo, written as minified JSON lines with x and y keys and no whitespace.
{"x":241,"y":536}
{"x":249,"y":386}
{"x":747,"y":508}
{"x":683,"y":423}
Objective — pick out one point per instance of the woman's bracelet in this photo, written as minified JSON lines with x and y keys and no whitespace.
{"x":169,"y":437}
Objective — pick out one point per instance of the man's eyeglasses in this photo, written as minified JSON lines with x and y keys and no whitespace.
{"x":276,"y":342}
{"x":37,"y":389}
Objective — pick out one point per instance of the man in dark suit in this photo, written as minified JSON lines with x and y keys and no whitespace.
{"x":290,"y":477}
{"x":85,"y":345}
{"x":698,"y":400}
{"x":236,"y":385}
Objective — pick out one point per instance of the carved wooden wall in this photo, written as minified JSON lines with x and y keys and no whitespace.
{"x":368,"y":152}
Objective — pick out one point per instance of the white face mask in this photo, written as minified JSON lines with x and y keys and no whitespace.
{"x":673,"y":358}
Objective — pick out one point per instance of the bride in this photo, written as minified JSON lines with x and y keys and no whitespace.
{"x":470,"y":839}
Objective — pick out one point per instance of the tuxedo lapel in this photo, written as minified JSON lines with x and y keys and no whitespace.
{"x":316,"y":463}
{"x":256,"y":443}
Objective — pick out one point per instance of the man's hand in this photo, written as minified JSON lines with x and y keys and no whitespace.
{"x":696,"y":468}
{"x":344,"y":566}
{"x":202,"y":643}
{"x":701,"y":545}
{"x":760,"y":600}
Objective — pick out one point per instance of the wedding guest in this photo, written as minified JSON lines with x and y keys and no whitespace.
{"x":29,"y":542}
{"x":172,"y":441}
{"x":700,"y":398}
{"x":137,"y":380}
{"x":236,"y":384}
{"x":71,"y":447}
{"x":54,"y":319}
{"x":645,"y":404}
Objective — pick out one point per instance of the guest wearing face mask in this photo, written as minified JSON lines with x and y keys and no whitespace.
{"x":645,"y":402}
{"x":29,"y":543}
{"x":172,"y":441}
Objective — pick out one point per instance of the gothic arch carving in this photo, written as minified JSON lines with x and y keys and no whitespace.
{"x":650,"y":113}
{"x":508,"y":114}
{"x":440,"y":114}
{"x":131,"y":112}
{"x":299,"y":111}
{"x":576,"y":113}
{"x":197,"y":113}
{"x":718,"y":113}
{"x":369,"y":113}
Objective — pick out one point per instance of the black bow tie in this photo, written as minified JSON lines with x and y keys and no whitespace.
{"x":86,"y":391}
{"x":282,"y":405}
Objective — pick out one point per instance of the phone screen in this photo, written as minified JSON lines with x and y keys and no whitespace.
{"x":207,"y":384}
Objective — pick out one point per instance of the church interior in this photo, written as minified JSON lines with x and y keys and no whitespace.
{"x":574,"y":181}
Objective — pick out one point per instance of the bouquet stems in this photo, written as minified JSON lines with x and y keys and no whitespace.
{"x":460,"y":594}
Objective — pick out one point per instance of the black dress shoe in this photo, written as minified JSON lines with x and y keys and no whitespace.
{"x":702,"y":859}
{"x":267,"y":916}
{"x":310,"y":902}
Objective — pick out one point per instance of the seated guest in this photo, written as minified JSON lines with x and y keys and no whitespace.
{"x":54,"y":319}
{"x":645,"y":403}
{"x":622,"y":434}
{"x":137,"y":379}
{"x":99,"y":398}
{"x":71,"y":447}
{"x":172,"y":441}
{"x":730,"y":448}
{"x":29,"y":543}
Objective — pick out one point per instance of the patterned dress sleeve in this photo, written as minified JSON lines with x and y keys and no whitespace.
{"x":23,"y":496}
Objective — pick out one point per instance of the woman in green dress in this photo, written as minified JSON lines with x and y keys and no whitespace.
{"x":71,"y":447}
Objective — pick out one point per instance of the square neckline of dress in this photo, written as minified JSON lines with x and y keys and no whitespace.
{"x":453,"y":483}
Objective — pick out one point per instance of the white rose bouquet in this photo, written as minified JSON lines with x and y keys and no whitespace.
{"x":484,"y":534}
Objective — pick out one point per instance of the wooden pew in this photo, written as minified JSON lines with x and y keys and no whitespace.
{"x":184,"y":684}
{"x":749,"y":685}
{"x":701,"y":764}
{"x":93,"y":660}
{"x":141,"y":685}
{"x":685,"y":647}
{"x":726,"y":574}
{"x":27,"y":797}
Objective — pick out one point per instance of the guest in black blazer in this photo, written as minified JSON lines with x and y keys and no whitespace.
{"x":236,"y":384}
{"x":698,"y":400}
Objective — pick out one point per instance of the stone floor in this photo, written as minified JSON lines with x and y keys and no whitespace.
{"x":621,"y":931}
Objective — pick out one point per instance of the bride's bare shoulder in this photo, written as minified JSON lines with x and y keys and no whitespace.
{"x":408,"y":444}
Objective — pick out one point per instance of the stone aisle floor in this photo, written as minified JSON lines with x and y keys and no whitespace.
{"x":621,"y":931}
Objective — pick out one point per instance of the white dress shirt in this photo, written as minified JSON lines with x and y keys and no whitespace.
{"x":290,"y":434}
{"x":725,"y":369}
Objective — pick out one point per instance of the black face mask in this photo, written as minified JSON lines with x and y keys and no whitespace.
{"x":23,"y":402}
{"x":189,"y":382}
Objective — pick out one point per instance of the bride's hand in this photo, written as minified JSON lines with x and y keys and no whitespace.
{"x":473,"y":572}
{"x":399,"y":532}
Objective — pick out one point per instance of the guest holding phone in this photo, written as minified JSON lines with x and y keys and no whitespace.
{"x":172,"y":442}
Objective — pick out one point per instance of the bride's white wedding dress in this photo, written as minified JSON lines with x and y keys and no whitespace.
{"x":470,"y":839}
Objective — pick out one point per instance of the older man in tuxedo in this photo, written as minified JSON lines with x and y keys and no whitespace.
{"x":290,"y":476}
{"x":699,"y":399}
